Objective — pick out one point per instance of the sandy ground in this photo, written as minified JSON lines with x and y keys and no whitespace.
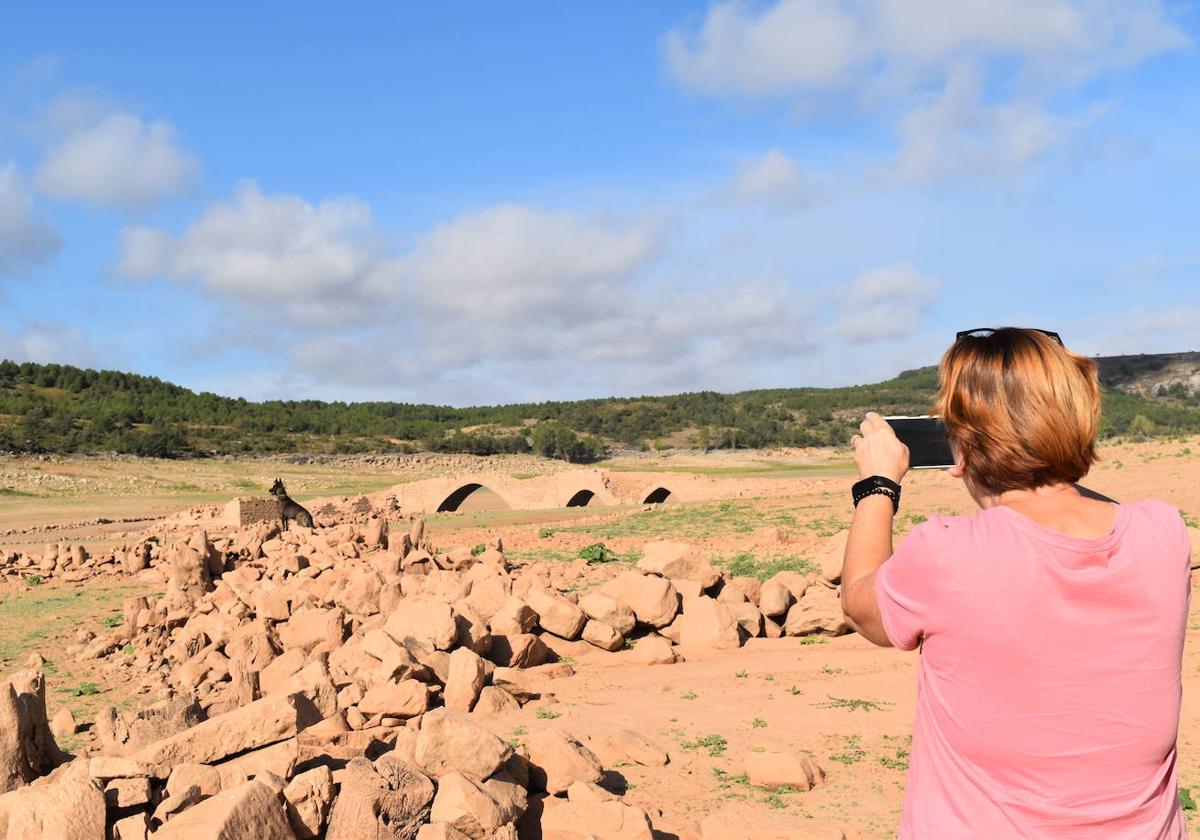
{"x":844,"y":701}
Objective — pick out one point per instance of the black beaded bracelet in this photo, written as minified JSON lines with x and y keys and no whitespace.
{"x":877,"y":484}
{"x":882,"y":491}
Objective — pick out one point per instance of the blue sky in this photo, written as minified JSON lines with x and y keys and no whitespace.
{"x":479,"y":203}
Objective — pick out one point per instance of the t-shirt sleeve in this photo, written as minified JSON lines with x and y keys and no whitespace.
{"x":905,"y":587}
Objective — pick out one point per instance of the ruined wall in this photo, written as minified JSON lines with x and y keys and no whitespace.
{"x":248,"y":511}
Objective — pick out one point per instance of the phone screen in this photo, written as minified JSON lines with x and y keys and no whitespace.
{"x":926,"y":440}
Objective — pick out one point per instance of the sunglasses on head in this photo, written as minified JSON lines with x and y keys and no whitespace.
{"x":983,"y":332}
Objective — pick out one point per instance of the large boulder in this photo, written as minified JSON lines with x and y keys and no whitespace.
{"x":556,"y":614}
{"x":423,"y":623}
{"x":69,"y":808}
{"x":254,"y":810}
{"x":707,"y":623}
{"x":772,"y":769}
{"x":653,"y":599}
{"x":258,"y":724}
{"x":404,"y":699}
{"x":674,"y":559}
{"x":606,"y":609}
{"x":389,"y":798}
{"x":592,"y":813}
{"x":27,"y":746}
{"x":466,"y":680}
{"x":467,"y":806}
{"x":309,"y":797}
{"x":557,"y":760}
{"x":819,"y":611}
{"x":449,"y":742}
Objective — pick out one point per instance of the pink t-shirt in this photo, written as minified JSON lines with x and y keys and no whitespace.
{"x":1049,"y":683}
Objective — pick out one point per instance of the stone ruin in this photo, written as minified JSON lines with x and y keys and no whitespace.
{"x":335,"y":682}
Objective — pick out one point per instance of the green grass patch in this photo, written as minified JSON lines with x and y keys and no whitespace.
{"x":696,"y":520}
{"x":747,"y":564}
{"x":853,"y":704}
{"x":9,"y":491}
{"x":1185,"y":799}
{"x":547,"y":714}
{"x":715,"y":744}
{"x":852,"y":752}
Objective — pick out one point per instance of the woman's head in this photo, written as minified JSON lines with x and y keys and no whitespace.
{"x":1021,"y":411}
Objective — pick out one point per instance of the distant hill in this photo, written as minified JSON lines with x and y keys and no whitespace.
{"x":59,"y":408}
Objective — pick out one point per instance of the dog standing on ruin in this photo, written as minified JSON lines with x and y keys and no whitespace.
{"x":289,"y":509}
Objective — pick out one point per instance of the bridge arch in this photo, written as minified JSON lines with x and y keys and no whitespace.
{"x":456,"y":498}
{"x":582,"y":498}
{"x":656,"y":496}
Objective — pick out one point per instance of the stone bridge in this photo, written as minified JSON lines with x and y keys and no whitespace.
{"x":572,"y":488}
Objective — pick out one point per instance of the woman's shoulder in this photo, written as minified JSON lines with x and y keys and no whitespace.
{"x":1158,"y":511}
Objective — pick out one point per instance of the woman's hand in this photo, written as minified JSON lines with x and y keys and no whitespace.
{"x":877,"y":451}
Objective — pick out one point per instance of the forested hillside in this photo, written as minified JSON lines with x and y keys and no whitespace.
{"x":59,"y":408}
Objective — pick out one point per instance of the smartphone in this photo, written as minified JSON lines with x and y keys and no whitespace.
{"x":925,"y":437}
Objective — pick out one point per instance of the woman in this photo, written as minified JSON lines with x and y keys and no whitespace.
{"x":1050,"y":624}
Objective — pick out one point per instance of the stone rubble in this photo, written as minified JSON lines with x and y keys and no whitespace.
{"x":330,"y":682}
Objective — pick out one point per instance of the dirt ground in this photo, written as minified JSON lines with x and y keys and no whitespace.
{"x":845,"y":702}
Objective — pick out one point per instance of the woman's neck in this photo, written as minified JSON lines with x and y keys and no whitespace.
{"x":1047,"y":494}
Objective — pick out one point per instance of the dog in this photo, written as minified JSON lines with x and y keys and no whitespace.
{"x":289,"y":509}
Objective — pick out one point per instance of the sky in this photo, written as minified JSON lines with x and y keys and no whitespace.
{"x":469,"y":203}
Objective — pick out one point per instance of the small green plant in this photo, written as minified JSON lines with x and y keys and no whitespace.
{"x":33,"y":580}
{"x":774,"y":800}
{"x":86,"y":688}
{"x":828,"y":526}
{"x":900,"y":762}
{"x":114,"y":621}
{"x":629,"y":643}
{"x":478,"y":549}
{"x":688,"y":695}
{"x":715,"y":744}
{"x":545,"y":533}
{"x":853,"y":704}
{"x":758,"y":723}
{"x":741,"y":675}
{"x":1189,"y":520}
{"x":598,"y":553}
{"x":567,"y":660}
{"x":747,"y":564}
{"x":547,"y":714}
{"x":1185,"y":799}
{"x":514,"y":737}
{"x":768,"y":678}
{"x":814,"y":640}
{"x":128,"y":650}
{"x":1118,"y":465}
{"x":852,"y":752}
{"x":794,"y":690}
{"x":917,"y":518}
{"x":826,"y":669}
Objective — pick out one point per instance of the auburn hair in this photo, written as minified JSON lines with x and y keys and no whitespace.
{"x":1020,"y":409}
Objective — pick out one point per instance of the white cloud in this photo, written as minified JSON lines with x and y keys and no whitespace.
{"x":885,"y":303}
{"x":968,"y":84}
{"x":774,"y":180}
{"x":314,"y":264}
{"x":507,"y":302}
{"x":958,"y":132}
{"x":46,"y":342}
{"x":118,"y":160}
{"x":25,"y":238}
{"x":797,"y":46}
{"x":516,"y":262}
{"x":793,"y":44}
